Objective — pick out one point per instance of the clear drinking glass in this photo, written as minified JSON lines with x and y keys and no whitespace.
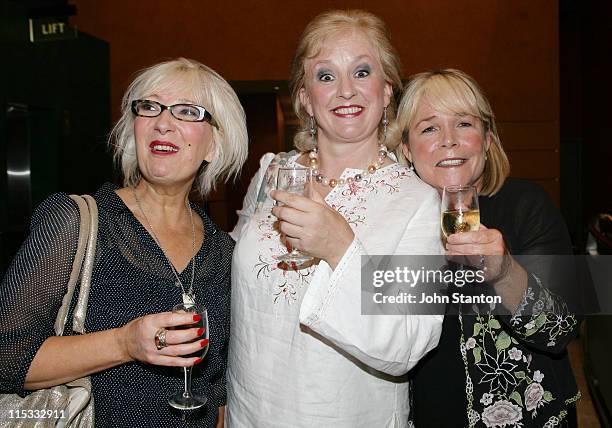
{"x":186,"y":399}
{"x":459,"y":210}
{"x":293,"y":180}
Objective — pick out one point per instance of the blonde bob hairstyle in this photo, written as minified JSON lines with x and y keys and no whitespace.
{"x":454,"y":92}
{"x":323,"y":29}
{"x":208,"y":89}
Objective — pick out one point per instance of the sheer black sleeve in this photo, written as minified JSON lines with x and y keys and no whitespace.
{"x":32,"y":289}
{"x":547,"y":317}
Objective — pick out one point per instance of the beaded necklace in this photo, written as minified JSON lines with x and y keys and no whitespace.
{"x":333,"y":182}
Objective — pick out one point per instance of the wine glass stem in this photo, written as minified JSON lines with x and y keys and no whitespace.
{"x":187,"y":372}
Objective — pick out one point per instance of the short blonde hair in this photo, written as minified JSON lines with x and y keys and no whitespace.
{"x":210,"y":90}
{"x":455,"y":92}
{"x":323,"y":28}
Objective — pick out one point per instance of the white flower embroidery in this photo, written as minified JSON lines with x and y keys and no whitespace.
{"x":530,"y":325}
{"x":497,"y":371}
{"x":289,"y":282}
{"x":502,"y":413}
{"x":552,"y":422}
{"x":515,"y":354}
{"x":534,"y":396}
{"x":487,"y":399}
{"x":538,"y":376}
{"x":470,"y":343}
{"x":473,"y":417}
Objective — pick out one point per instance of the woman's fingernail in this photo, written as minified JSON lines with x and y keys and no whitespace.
{"x":198,"y":361}
{"x":203,"y":343}
{"x":200,"y":331}
{"x":197,"y":317}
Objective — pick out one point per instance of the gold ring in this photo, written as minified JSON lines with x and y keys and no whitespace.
{"x":160,"y":339}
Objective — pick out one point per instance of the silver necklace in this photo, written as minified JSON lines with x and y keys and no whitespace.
{"x":188,"y":295}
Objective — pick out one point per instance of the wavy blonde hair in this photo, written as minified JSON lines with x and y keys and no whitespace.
{"x":208,"y":89}
{"x":455,"y":92}
{"x":320,"y":30}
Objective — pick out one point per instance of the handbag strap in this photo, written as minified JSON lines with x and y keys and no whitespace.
{"x":82,"y":266}
{"x":81,"y":308}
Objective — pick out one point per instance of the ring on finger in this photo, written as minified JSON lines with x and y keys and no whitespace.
{"x":160,"y":338}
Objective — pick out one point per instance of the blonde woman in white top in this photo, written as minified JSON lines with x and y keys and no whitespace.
{"x":301,"y":353}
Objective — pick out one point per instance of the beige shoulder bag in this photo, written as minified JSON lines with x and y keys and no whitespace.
{"x":69,"y":404}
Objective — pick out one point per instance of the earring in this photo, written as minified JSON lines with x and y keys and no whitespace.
{"x":312,"y":128}
{"x":385,"y":122}
{"x":410,"y":165}
{"x":485,"y":156}
{"x":312,"y":125}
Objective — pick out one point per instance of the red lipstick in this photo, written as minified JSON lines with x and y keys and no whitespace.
{"x":163,"y":148}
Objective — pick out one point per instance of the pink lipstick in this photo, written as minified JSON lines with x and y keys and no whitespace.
{"x":451,"y":162}
{"x":349,"y":111}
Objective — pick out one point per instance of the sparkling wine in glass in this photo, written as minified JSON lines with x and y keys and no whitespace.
{"x":293,"y":180}
{"x":186,"y":399}
{"x":459,"y":210}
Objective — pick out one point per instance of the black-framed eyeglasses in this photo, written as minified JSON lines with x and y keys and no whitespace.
{"x":184,"y":112}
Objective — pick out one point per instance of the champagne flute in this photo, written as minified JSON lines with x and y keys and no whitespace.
{"x":293,"y":180}
{"x":459,"y":210}
{"x":186,"y":399}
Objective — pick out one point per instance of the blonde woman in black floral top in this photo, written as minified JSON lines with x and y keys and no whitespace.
{"x":502,"y":367}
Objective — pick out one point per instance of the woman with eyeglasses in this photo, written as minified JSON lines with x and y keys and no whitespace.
{"x":182,"y":128}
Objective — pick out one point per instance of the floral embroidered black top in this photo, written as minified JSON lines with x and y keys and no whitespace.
{"x":506,"y":371}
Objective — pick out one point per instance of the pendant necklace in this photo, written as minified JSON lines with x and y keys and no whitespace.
{"x":188,"y":295}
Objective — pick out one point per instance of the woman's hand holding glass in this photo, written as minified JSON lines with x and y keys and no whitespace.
{"x":312,"y":226}
{"x":476,"y":246}
{"x":485,"y":249}
{"x":466,"y":238}
{"x":139,"y":342}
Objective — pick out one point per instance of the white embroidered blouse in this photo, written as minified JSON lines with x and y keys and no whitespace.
{"x":301,"y":354}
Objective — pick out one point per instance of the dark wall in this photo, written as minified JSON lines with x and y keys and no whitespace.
{"x":54,"y":115}
{"x":264,"y":136}
{"x":596,"y":105}
{"x":510,"y":47}
{"x":585,"y":65}
{"x":572,"y":141}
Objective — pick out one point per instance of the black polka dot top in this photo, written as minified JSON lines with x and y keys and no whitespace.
{"x":131,"y":278}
